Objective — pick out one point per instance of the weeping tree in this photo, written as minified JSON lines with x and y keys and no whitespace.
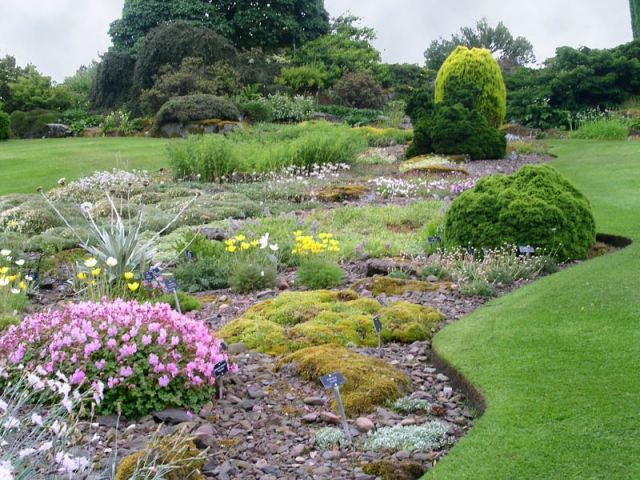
{"x":635,"y":18}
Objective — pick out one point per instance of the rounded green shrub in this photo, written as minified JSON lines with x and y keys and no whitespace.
{"x":5,"y":126}
{"x":535,"y":206}
{"x":455,"y":130}
{"x":319,"y":273}
{"x":359,"y":90}
{"x":192,"y":108}
{"x":474,"y":69}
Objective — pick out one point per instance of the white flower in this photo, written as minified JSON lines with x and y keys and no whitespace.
{"x":274,"y":247}
{"x":90,"y":262}
{"x":67,"y":403}
{"x":112,"y":262}
{"x":25,"y":452}
{"x":15,"y":291}
{"x":46,"y":446}
{"x":6,"y":470}
{"x":20,"y":262}
{"x":11,"y":423}
{"x":264,"y":241}
{"x":36,"y":419}
{"x":4,"y":282}
{"x":5,"y":253}
{"x":262,"y":273}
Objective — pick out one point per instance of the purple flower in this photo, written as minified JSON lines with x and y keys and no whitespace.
{"x":78,"y":377}
{"x":163,"y":381}
{"x":146,"y":340}
{"x":126,"y":372}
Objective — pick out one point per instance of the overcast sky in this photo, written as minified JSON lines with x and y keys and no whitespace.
{"x":60,"y":35}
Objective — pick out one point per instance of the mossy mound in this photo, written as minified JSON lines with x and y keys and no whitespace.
{"x":388,"y":470}
{"x":341,"y":193}
{"x":370,"y":381}
{"x":395,"y":286}
{"x":175,"y":451}
{"x":297,"y":320}
{"x":430,"y":164}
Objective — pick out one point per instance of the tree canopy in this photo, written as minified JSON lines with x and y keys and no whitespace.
{"x":347,"y":48}
{"x":511,"y":51}
{"x":246,"y":23}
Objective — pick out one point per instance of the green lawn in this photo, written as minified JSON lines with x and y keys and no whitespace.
{"x":28,"y":164}
{"x":559,"y":360}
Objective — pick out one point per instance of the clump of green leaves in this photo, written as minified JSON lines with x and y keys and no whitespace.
{"x":427,"y":437}
{"x":408,"y":405}
{"x":329,"y":437}
{"x":318,"y":273}
{"x":249,"y":276}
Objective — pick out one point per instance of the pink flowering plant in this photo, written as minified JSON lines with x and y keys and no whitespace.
{"x":149,"y":357}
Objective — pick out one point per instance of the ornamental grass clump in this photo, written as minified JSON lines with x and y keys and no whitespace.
{"x":148,"y":356}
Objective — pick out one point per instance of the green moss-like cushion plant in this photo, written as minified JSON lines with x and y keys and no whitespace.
{"x":296,"y":320}
{"x":535,"y":206}
{"x":474,"y":69}
{"x":370,"y":381}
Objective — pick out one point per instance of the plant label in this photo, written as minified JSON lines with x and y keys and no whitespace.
{"x":377,"y":324}
{"x":434,"y":240}
{"x":221,"y":368}
{"x":333,"y":380}
{"x":526,"y":250}
{"x":171,"y":285}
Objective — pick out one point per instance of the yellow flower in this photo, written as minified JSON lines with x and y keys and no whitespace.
{"x":96,"y":272}
{"x":231,"y":248}
{"x":4,"y":270}
{"x":128,"y":276}
{"x":22,"y":285}
{"x":255,"y":243}
{"x":90,"y":262}
{"x":230,"y":242}
{"x":82,"y":276}
{"x":245,"y":246}
{"x":133,"y":286}
{"x":241,"y":238}
{"x":12,"y":278}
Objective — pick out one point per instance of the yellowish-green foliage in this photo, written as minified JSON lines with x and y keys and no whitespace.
{"x":296,"y":320}
{"x":429,"y":164}
{"x":177,"y":457}
{"x":478,"y":74}
{"x":340,"y":193}
{"x":396,"y":286}
{"x":370,"y":381}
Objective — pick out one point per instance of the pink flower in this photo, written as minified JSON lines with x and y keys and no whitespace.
{"x":112,"y":382}
{"x":111,"y":343}
{"x":163,"y":381}
{"x":146,"y":340}
{"x":153,"y":359}
{"x":173,"y":369}
{"x":126,"y":372}
{"x":78,"y":377}
{"x":100,"y":364}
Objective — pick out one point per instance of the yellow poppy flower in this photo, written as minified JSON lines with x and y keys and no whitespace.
{"x":245,"y":246}
{"x":241,"y":238}
{"x":82,"y":276}
{"x":231,"y":248}
{"x":96,"y":272}
{"x":133,"y":286}
{"x":128,"y":276}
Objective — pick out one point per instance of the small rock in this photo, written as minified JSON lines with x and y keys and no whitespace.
{"x":331,"y":455}
{"x":441,"y":377}
{"x":365,"y":425}
{"x":173,"y":416}
{"x":297,"y":451}
{"x":266,"y":294}
{"x":310,"y":418}
{"x":313,"y":401}
{"x":237,"y":348}
{"x":329,"y":417}
{"x":247,"y":404}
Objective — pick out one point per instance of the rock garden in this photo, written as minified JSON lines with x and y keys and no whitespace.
{"x":263,"y":302}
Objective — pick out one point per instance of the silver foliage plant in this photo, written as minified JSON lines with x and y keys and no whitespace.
{"x":427,"y":437}
{"x":120,"y":239}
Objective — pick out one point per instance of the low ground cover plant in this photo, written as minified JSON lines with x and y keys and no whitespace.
{"x":296,"y":320}
{"x":149,"y":357}
{"x":318,"y":267}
